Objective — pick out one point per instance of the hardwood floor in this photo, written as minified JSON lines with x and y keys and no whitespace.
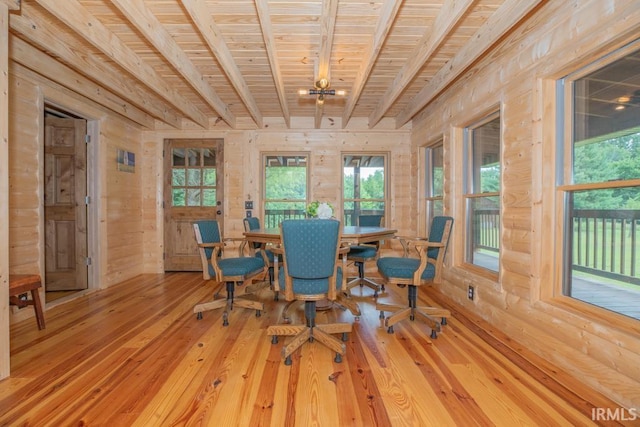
{"x":135,"y":354}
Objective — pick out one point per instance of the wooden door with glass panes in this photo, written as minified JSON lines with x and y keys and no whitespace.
{"x":193,"y":189}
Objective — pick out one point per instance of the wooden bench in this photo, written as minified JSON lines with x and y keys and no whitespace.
{"x":20,"y":284}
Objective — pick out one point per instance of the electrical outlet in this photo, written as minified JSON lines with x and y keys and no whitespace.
{"x":248,"y":214}
{"x":248,"y":204}
{"x":471,"y":292}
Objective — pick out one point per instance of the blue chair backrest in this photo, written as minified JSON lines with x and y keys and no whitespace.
{"x":210,"y":233}
{"x":370,"y":220}
{"x":310,"y":247}
{"x":436,"y":232}
{"x":252,"y":223}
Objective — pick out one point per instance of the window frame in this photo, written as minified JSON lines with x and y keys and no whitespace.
{"x":264,"y":200}
{"x":564,"y":184}
{"x":386,"y":156}
{"x":428,"y":196}
{"x":470,"y":196}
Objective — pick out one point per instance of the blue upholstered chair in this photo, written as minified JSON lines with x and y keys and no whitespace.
{"x":414,"y":272}
{"x":311,"y":273}
{"x":360,"y":254}
{"x":253,"y":223}
{"x":227,"y":272}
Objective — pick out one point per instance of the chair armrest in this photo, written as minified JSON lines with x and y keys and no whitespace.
{"x":343,"y":250}
{"x":428,"y":244}
{"x":210,"y":245}
{"x":406,"y":242}
{"x":277,"y":250}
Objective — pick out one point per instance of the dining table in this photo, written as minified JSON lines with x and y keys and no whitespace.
{"x":351,"y":235}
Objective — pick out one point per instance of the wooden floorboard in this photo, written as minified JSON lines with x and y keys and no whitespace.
{"x":135,"y":354}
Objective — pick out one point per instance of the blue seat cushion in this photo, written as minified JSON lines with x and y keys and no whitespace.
{"x":403,"y":268}
{"x":362,"y":252}
{"x":310,"y":286}
{"x":238,"y":266}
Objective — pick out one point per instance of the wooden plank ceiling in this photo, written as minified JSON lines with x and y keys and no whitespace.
{"x":244,"y":62}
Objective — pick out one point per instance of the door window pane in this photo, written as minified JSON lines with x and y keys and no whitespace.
{"x":193,"y":184}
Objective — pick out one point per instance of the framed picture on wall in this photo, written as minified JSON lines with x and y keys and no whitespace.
{"x":126,"y":161}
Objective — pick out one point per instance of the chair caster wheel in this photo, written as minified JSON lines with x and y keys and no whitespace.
{"x":443,"y":321}
{"x":338,"y":358}
{"x":390,"y":330}
{"x":434,"y":334}
{"x":381,"y":315}
{"x":345,"y":336}
{"x":199,"y":315}
{"x":258,"y":313}
{"x":287,"y":360}
{"x":274,"y":339}
{"x":225,"y":319}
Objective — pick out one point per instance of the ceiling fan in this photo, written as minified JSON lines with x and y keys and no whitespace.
{"x":321,"y":89}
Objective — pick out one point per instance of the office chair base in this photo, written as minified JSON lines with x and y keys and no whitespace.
{"x":234,"y":299}
{"x":429,"y":314}
{"x":343,"y":302}
{"x":364,"y":281}
{"x":303,"y":334}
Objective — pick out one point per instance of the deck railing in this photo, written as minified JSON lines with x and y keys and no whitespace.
{"x":605,"y":242}
{"x":273,"y":217}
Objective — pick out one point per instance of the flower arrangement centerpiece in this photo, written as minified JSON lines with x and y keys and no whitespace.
{"x":318,"y":209}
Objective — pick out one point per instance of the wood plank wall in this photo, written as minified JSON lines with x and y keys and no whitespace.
{"x":601,"y":349}
{"x":115,"y":215}
{"x":243,"y":163}
{"x":4,"y":190}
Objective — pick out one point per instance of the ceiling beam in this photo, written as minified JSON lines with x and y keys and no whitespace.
{"x":37,"y":32}
{"x":74,"y":15}
{"x":203,"y":18}
{"x":450,"y":14}
{"x":11,"y":4}
{"x":499,"y":23}
{"x":149,"y":26}
{"x":385,"y":21}
{"x":33,"y":59}
{"x":327,"y":30}
{"x":270,"y":45}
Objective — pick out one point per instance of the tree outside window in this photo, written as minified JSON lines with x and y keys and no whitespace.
{"x":364,"y":183}
{"x":285,"y":187}
{"x":599,"y":183}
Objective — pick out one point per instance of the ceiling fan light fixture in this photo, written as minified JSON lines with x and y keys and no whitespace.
{"x":322,"y":83}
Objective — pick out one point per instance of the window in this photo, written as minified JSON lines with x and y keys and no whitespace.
{"x":599,"y":182}
{"x":285,"y":187}
{"x":364,"y":183}
{"x":193,"y":177}
{"x":434,"y":182}
{"x":482,"y":193}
